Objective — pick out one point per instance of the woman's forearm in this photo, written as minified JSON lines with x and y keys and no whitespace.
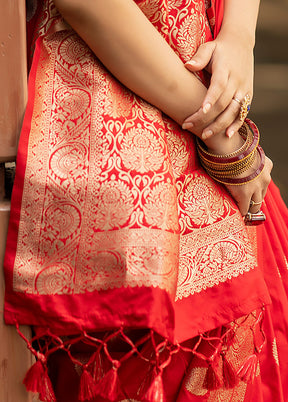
{"x":134,"y":51}
{"x":240,"y":19}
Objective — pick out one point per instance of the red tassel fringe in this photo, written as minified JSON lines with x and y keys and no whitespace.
{"x":230,"y":378}
{"x":155,"y":392}
{"x":93,"y":381}
{"x":87,"y":386}
{"x":212,"y":379}
{"x":38,"y":381}
{"x":109,"y":387}
{"x":97,"y":367}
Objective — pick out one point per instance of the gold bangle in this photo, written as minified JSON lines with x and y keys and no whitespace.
{"x":227,"y":166}
{"x":245,"y":133}
{"x":232,"y":172}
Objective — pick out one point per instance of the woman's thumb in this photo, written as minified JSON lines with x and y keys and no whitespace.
{"x":201,"y":58}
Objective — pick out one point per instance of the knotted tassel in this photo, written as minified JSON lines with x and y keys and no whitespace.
{"x":37,"y":380}
{"x":247,"y":371}
{"x":230,"y":378}
{"x":155,"y":392}
{"x":97,"y":367}
{"x":110,"y":387}
{"x":212,"y":379}
{"x":87,"y":386}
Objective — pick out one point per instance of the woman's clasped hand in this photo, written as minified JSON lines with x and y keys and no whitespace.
{"x":230,"y":63}
{"x":229,"y":60}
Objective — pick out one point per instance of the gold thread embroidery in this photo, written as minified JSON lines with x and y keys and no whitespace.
{"x":102,"y":216}
{"x":275,"y":351}
{"x":194,"y":381}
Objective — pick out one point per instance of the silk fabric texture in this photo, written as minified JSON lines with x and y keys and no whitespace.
{"x":114,"y":224}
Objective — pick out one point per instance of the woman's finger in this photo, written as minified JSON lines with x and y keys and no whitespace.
{"x":217,"y":88}
{"x":224,"y":120}
{"x":238,"y":99}
{"x":202,"y":121}
{"x":256,"y":202}
{"x":234,"y":127}
{"x":201,"y":58}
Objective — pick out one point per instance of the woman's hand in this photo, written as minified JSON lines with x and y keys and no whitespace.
{"x":255,"y":190}
{"x":229,"y":59}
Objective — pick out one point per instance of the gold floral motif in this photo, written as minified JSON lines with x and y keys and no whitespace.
{"x":160,"y":207}
{"x":128,"y":257}
{"x":69,"y":160}
{"x":114,"y":205}
{"x":211,"y":255}
{"x":73,"y":50}
{"x":201,"y":201}
{"x":178,"y":152}
{"x":151,"y":9}
{"x":72,"y":102}
{"x":141,"y":150}
{"x":62,"y":219}
{"x":112,"y":105}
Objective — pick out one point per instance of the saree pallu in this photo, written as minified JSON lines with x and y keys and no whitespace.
{"x":134,"y":268}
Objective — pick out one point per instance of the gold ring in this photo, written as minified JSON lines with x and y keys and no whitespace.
{"x":245,"y":107}
{"x":254,"y":219}
{"x":253,"y":203}
{"x":237,"y":100}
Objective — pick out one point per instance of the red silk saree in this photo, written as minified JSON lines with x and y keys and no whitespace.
{"x":133,"y":266}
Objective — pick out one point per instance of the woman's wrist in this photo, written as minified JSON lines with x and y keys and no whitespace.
{"x":237,"y":35}
{"x":220,"y":144}
{"x":240,"y":19}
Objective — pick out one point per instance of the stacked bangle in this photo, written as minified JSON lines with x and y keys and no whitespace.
{"x":226,"y":168}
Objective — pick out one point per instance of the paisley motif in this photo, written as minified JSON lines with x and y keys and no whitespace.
{"x":73,"y":102}
{"x":55,"y":279}
{"x":75,"y":50}
{"x":68,"y":160}
{"x":63,"y":219}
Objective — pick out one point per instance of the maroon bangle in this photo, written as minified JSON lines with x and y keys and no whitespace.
{"x":247,"y":179}
{"x":219,"y":159}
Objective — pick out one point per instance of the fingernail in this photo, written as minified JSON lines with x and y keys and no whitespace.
{"x":230,"y":133}
{"x":207,"y":134}
{"x":187,"y":126}
{"x":191,"y":62}
{"x":206,"y":107}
